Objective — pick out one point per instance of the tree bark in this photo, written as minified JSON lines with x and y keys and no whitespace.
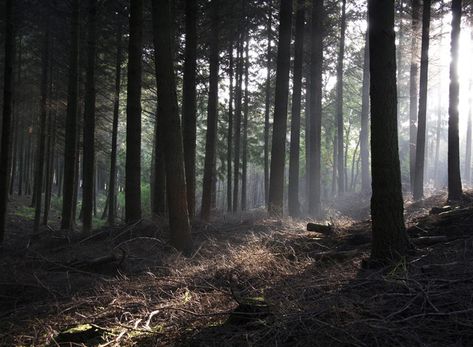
{"x":69,"y":179}
{"x":230,"y":131}
{"x":293,"y":193}
{"x":244,"y":161}
{"x":454,"y":179}
{"x":390,"y":240}
{"x":315,"y":108}
{"x":89,"y":122}
{"x":365,"y":114}
{"x":133,"y":115}
{"x":189,"y":119}
{"x":212,"y":117}
{"x":171,"y":127}
{"x":422,"y":119}
{"x":267,"y":103}
{"x":6,"y":114}
{"x":278,"y":147}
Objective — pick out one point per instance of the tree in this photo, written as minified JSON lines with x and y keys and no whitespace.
{"x":422,"y":119}
{"x":454,"y":179}
{"x":189,"y":118}
{"x":468,"y":136}
{"x":69,"y":180}
{"x":244,"y":161}
{"x":278,"y":155}
{"x":315,"y":123}
{"x":339,"y":104}
{"x":212,"y":116}
{"x":88,"y":166}
{"x":365,"y":114}
{"x":267,"y":102}
{"x":413,"y":91}
{"x":171,"y":128}
{"x":6,"y":114}
{"x":230,"y":129}
{"x":133,"y":115}
{"x":293,"y":194}
{"x":389,"y":235}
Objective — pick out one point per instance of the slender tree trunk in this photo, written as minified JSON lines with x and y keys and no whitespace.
{"x":159,"y":172}
{"x":133,"y":117}
{"x":454,"y":180}
{"x":439,"y":118}
{"x":413,"y":89}
{"x":390,"y":240}
{"x":69,"y":178}
{"x":293,"y":193}
{"x":237,"y":135}
{"x":315,"y":108}
{"x":189,"y":119}
{"x":16,"y":121}
{"x":89,"y":122}
{"x":244,"y":164}
{"x":278,"y":147}
{"x":267,"y":103}
{"x":468,"y":138}
{"x":230,"y":131}
{"x":422,"y":119}
{"x":365,"y":114}
{"x":172,"y":135}
{"x":112,"y":187}
{"x":339,"y":103}
{"x":6,"y":114}
{"x":212,"y":116}
{"x":41,"y":140}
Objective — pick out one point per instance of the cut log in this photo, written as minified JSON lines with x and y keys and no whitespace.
{"x":320,"y":228}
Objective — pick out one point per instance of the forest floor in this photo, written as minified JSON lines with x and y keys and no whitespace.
{"x":250,"y":281}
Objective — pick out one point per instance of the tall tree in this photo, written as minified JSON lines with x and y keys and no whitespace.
{"x":315,"y":122}
{"x":212,"y":116}
{"x":189,"y":117}
{"x":6,"y":114}
{"x":422,"y":119}
{"x":89,"y":121}
{"x":169,"y":121}
{"x":293,"y":193}
{"x":468,"y":136}
{"x":267,"y":108}
{"x":278,"y":146}
{"x":133,"y":115}
{"x":454,"y":179}
{"x":389,"y":235}
{"x":244,"y":161}
{"x":69,"y":180}
{"x":112,"y":187}
{"x":365,"y":114}
{"x":41,"y":139}
{"x":339,"y":103}
{"x":413,"y":89}
{"x":230,"y":130}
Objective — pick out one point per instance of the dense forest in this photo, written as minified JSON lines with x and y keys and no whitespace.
{"x":247,"y":172}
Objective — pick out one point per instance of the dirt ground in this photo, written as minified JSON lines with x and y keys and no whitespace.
{"x":250,"y":281}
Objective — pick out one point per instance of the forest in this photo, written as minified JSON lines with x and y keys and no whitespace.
{"x":236,"y":173}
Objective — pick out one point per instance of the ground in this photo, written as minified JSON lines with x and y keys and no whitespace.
{"x":250,"y":281}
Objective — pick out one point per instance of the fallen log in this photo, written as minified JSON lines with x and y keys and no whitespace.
{"x":320,"y":228}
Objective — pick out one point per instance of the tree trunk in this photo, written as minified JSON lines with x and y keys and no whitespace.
{"x":413,"y":91}
{"x":278,"y":147}
{"x":267,"y":104}
{"x":189,"y":119}
{"x":365,"y":115}
{"x":293,"y":193}
{"x":468,"y":137}
{"x":112,"y":187}
{"x":230,"y":131}
{"x":159,"y":172}
{"x":454,"y":179}
{"x":133,"y":115}
{"x":390,"y":240}
{"x":69,"y":179}
{"x":171,"y":127}
{"x":7,"y":114}
{"x":41,"y":140}
{"x":339,"y":104}
{"x":89,"y":122}
{"x":315,"y":108}
{"x":18,"y":135}
{"x":422,"y":119}
{"x":212,"y":117}
{"x":244,"y":163}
